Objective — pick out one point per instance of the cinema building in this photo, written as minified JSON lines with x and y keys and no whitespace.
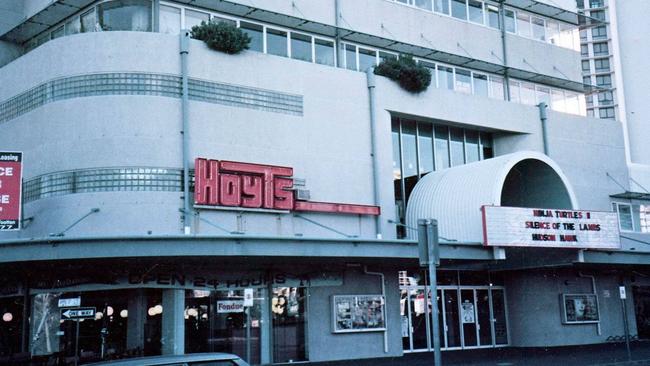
{"x":291,"y":237}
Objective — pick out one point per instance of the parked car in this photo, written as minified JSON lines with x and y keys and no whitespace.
{"x":194,"y":359}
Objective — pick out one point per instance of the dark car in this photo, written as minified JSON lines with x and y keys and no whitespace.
{"x":196,"y":359}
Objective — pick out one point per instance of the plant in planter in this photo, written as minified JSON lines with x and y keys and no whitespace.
{"x":221,"y":36}
{"x":404,"y":70}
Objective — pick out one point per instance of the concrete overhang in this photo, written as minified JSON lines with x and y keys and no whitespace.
{"x":454,"y":196}
{"x":229,"y":246}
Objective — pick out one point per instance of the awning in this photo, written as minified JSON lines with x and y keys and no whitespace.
{"x":555,"y":12}
{"x":61,"y":9}
{"x":627,"y":195}
{"x":454,"y":196}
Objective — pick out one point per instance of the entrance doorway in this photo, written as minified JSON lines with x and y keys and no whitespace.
{"x":641,"y":296}
{"x":469,"y":317}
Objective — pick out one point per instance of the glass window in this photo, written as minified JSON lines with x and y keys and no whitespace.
{"x":509,"y":20}
{"x":496,"y":87}
{"x":445,"y":77}
{"x":527,"y":93}
{"x":625,"y":217}
{"x":432,"y":68}
{"x":572,"y":103}
{"x":170,"y":20}
{"x":598,"y":14}
{"x":604,"y":81}
{"x":256,"y":34}
{"x":601,"y":49}
{"x":586,"y":66}
{"x":493,"y":18}
{"x":301,"y":47}
{"x":276,"y":42}
{"x":425,"y":147}
{"x":487,"y":151}
{"x":586,"y":80}
{"x":57,"y":32}
{"x":397,"y":163}
{"x":350,"y":56}
{"x":480,"y":84}
{"x":553,"y":32}
{"x":289,"y":311}
{"x":367,"y":58}
{"x":88,"y":21}
{"x":409,"y":150}
{"x":475,"y":11}
{"x":605,"y":98}
{"x":599,"y":32}
{"x":424,"y":4}
{"x":544,"y":95}
{"x":595,"y":3}
{"x":441,"y":6}
{"x":557,"y":100}
{"x":456,"y":146}
{"x":584,"y":50}
{"x":193,"y":18}
{"x":601,"y":64}
{"x":523,"y":24}
{"x":539,"y":29}
{"x":514,"y":91}
{"x":463,"y":81}
{"x":606,"y":113}
{"x":590,"y":100}
{"x":569,"y":37}
{"x":324,"y":52}
{"x":442,"y":147}
{"x":459,"y":9}
{"x":73,"y":26}
{"x":386,"y":55}
{"x":471,"y":146}
{"x":580,"y":4}
{"x":125,"y":15}
{"x":217,"y":19}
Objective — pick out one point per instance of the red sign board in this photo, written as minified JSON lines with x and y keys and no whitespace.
{"x":234,"y":184}
{"x":10,"y":190}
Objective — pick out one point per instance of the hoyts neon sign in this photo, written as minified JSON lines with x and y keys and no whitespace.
{"x":257,"y":186}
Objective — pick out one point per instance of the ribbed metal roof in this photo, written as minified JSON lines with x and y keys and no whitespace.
{"x":454,"y":196}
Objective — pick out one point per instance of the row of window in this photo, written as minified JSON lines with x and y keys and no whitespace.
{"x":301,"y":46}
{"x":515,"y":21}
{"x":633,"y":217}
{"x":600,"y":65}
{"x":599,"y":49}
{"x":592,"y":3}
{"x":597,"y":33}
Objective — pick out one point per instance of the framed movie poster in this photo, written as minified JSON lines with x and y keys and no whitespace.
{"x":358,"y":313}
{"x":580,"y":308}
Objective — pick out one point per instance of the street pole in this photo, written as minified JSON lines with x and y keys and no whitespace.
{"x":76,"y":346}
{"x":623,"y":296}
{"x":430,"y":258}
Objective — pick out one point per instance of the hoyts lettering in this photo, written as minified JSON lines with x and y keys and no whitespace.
{"x":227,"y":183}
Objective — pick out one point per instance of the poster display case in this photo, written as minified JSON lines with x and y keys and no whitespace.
{"x":358,"y":313}
{"x":579,"y":308}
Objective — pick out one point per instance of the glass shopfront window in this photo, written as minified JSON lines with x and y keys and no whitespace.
{"x":289,"y":311}
{"x":11,"y":322}
{"x":125,"y":15}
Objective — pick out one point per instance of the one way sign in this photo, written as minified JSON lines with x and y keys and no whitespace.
{"x":77,"y":313}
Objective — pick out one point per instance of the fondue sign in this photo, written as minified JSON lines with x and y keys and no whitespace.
{"x":257,"y":186}
{"x":555,"y":228}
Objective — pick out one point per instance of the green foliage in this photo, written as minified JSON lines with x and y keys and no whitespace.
{"x":410,"y":76}
{"x":221,"y":36}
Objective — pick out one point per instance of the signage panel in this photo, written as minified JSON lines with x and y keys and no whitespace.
{"x":70,"y":303}
{"x":10,"y":190}
{"x":77,"y":313}
{"x":230,"y":306}
{"x":552,"y":228}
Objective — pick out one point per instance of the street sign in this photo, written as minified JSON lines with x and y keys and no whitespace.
{"x":10,"y":190}
{"x":70,"y":303}
{"x":621,"y":290}
{"x":248,"y":297}
{"x":77,"y":313}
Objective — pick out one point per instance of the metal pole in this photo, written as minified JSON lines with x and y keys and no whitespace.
{"x":370,"y":78}
{"x":429,"y":257}
{"x":504,"y":42}
{"x":76,"y":346}
{"x":185,"y":50}
{"x":248,"y":334}
{"x":543,"y":117}
{"x":627,"y":331}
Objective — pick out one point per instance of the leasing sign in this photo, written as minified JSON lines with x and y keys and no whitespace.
{"x":10,"y":190}
{"x":553,"y":228}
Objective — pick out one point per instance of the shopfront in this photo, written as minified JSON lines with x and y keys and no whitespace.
{"x":470,"y":316}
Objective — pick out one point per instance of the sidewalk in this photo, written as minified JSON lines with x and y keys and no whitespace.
{"x":591,"y":355}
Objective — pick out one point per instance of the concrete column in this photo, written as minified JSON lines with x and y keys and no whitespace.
{"x":173,"y":322}
{"x":266,"y":326}
{"x":137,"y":309}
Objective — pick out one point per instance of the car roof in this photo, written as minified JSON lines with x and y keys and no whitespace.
{"x":162,"y":360}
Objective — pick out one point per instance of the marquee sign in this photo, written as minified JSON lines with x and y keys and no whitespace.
{"x":257,"y":186}
{"x":10,"y":190}
{"x":553,"y":228}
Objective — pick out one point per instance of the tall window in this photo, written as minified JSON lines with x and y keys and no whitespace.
{"x":422,"y":147}
{"x":633,"y":216}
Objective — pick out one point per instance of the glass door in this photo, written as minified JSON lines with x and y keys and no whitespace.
{"x":468,"y":318}
{"x":415,"y":321}
{"x":452,"y":318}
{"x":483,"y":317}
{"x":499,"y":317}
